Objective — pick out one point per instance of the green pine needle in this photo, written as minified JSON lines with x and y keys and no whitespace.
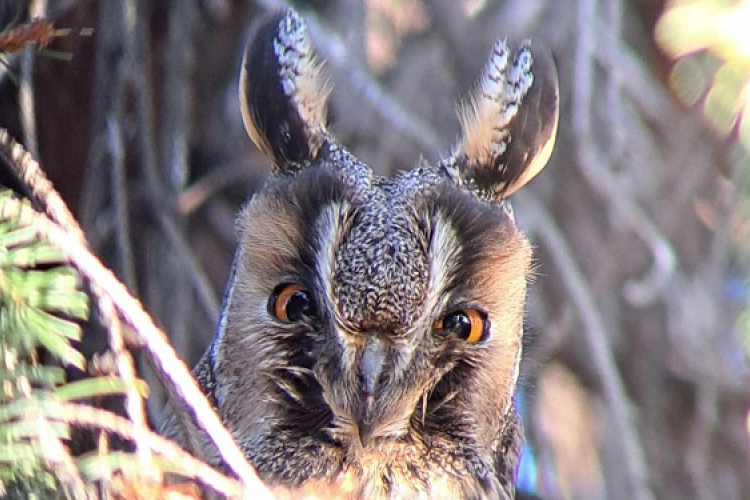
{"x":45,"y":376}
{"x":41,"y":300}
{"x":97,"y":386}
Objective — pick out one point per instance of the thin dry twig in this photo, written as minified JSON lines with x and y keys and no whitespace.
{"x":103,"y":448}
{"x":641,"y":86}
{"x":201,"y":285}
{"x":220,"y":177}
{"x":126,"y":369}
{"x":157,"y":344}
{"x":94,"y":418}
{"x":138,"y":68}
{"x":44,"y":33}
{"x":26,"y":101}
{"x":701,"y":439}
{"x":602,"y":358}
{"x":618,"y":133}
{"x":178,"y":62}
{"x":109,"y":72}
{"x":118,"y":183}
{"x":46,"y":197}
{"x":597,"y":170}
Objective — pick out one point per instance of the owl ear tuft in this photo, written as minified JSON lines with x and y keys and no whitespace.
{"x":509,"y":123}
{"x":283,"y":92}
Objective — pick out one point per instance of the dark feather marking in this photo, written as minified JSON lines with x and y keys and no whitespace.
{"x":283,"y":131}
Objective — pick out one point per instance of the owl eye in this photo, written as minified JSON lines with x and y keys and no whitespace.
{"x":467,"y":324}
{"x":291,"y":302}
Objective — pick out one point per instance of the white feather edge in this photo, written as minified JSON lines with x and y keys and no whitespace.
{"x":301,"y":75}
{"x":487,"y":113}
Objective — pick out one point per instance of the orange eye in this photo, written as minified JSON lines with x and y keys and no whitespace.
{"x":291,"y":302}
{"x":468,"y":324}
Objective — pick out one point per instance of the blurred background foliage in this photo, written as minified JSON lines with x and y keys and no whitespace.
{"x":635,"y":372}
{"x":710,"y":43}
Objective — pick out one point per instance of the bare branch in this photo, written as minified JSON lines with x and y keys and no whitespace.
{"x":26,"y":98}
{"x":118,"y":183}
{"x":220,"y":177}
{"x":93,"y":418}
{"x":191,"y":266}
{"x":597,"y":169}
{"x":138,"y":69}
{"x":178,"y":61}
{"x":107,"y":105}
{"x":602,"y":358}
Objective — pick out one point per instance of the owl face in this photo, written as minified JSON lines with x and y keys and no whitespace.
{"x":371,"y":335}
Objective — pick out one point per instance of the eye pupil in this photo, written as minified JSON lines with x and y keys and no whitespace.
{"x":291,"y":302}
{"x":459,"y":324}
{"x":299,"y":306}
{"x":469,"y":324}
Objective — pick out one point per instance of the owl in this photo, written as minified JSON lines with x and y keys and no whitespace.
{"x":370,"y":340}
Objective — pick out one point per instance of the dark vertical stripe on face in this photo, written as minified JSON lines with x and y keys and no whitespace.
{"x":310,"y":193}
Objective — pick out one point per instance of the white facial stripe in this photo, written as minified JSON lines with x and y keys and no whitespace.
{"x":442,"y":255}
{"x":331,"y":228}
{"x":327,"y":228}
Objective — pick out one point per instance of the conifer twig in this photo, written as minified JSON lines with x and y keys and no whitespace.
{"x":49,"y":200}
{"x":94,"y":418}
{"x":69,"y":238}
{"x":58,"y":458}
{"x":157,"y":344}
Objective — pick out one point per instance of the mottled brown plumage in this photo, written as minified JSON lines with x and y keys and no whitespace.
{"x":371,"y":334}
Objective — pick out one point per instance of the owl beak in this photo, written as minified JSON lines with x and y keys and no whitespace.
{"x":370,"y":367}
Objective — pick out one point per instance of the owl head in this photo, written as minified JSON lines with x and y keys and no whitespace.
{"x":371,"y":333}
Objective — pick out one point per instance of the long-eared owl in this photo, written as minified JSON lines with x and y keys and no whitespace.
{"x":371,"y":334}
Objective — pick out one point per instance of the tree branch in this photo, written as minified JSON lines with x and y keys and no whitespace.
{"x":540,"y":222}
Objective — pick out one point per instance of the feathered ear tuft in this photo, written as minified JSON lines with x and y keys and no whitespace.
{"x":508,"y":124}
{"x":283,"y":93}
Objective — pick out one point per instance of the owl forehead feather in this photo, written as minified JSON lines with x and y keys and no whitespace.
{"x":379,"y":273}
{"x":372,"y":248}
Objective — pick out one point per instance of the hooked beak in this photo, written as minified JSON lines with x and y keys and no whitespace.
{"x":370,"y":368}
